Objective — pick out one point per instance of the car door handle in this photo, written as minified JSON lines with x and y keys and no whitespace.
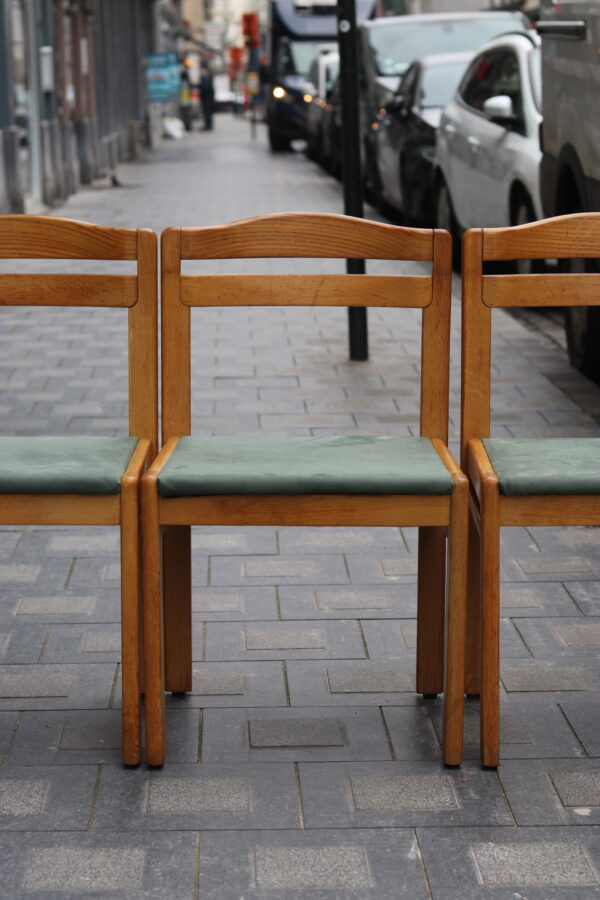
{"x":474,"y":144}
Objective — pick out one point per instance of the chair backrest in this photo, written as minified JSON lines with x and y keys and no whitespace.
{"x":307,"y":235}
{"x":42,"y":237}
{"x":565,"y":237}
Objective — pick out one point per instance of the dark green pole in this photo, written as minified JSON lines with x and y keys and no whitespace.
{"x":353,"y":199}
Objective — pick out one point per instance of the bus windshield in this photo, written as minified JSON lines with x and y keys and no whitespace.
{"x":295,"y":57}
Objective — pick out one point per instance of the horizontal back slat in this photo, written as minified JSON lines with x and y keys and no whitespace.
{"x":68,"y":290}
{"x":306,"y":290}
{"x":40,"y":237}
{"x":547,"y":239}
{"x":541,"y":290}
{"x":309,"y":235}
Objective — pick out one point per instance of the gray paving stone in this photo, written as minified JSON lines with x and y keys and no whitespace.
{"x":343,"y":540}
{"x":584,"y":635}
{"x":399,"y":794}
{"x":582,"y":715}
{"x":558,"y":565}
{"x":218,"y":604}
{"x":586,"y":595}
{"x":539,"y":599}
{"x":322,"y":569}
{"x":537,"y":864}
{"x":56,"y":687}
{"x":380,"y":864}
{"x":215,"y":540}
{"x":339,"y":683}
{"x":56,"y":606}
{"x":546,"y":678}
{"x":36,"y":798}
{"x":93,"y":737}
{"x":198,"y":797}
{"x":289,"y":735}
{"x":340,"y":603}
{"x":116,"y":866}
{"x":284,"y":640}
{"x":546,"y":792}
{"x":402,"y":793}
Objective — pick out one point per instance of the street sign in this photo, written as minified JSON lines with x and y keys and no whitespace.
{"x":162,"y":76}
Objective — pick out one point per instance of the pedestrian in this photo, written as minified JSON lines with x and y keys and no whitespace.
{"x":207,"y":97}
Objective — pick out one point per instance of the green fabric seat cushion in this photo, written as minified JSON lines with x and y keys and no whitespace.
{"x":63,"y":465}
{"x":277,"y":464}
{"x":546,"y":465}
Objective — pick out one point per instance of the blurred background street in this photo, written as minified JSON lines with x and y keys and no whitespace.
{"x":303,"y":638}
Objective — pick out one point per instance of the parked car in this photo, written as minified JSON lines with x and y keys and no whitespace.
{"x":570,"y":168}
{"x":488,"y":151}
{"x":405,"y":135}
{"x":387,"y":46}
{"x":322,"y":75}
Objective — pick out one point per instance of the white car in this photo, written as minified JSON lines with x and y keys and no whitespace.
{"x":486,"y":168}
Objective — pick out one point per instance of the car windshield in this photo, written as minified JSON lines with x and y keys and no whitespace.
{"x":535,"y":71}
{"x":394,"y":46}
{"x":295,"y":57}
{"x":439,"y":83}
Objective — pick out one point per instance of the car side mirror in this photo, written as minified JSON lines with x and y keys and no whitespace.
{"x":500,"y":109}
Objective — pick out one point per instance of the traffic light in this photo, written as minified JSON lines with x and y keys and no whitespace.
{"x":250,"y":29}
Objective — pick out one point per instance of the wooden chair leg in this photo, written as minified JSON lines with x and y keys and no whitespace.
{"x":154,"y":688}
{"x":431,"y":610}
{"x":490,"y":625}
{"x":177,"y":604}
{"x":454,"y":688}
{"x":130,"y":626}
{"x":473,"y":627}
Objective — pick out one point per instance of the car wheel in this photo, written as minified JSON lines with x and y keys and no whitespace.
{"x":277,"y":142}
{"x":582,"y":326}
{"x":522,"y":214}
{"x":445,"y":218}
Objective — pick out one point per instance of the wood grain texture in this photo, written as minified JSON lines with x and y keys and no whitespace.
{"x":175,"y":342}
{"x":316,"y":235}
{"x":41,"y":237}
{"x":541,"y":290}
{"x":476,"y":347}
{"x":59,"y":509}
{"x":68,"y":290}
{"x":306,"y":290}
{"x":306,"y":509}
{"x":576,"y":235}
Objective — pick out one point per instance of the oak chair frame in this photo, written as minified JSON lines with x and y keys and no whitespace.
{"x":41,"y":237}
{"x":167,"y":521}
{"x":572,"y":236}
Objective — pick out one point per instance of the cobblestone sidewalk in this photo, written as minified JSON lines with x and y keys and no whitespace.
{"x":303,"y":764}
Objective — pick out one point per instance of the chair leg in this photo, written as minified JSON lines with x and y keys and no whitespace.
{"x":431,"y":610}
{"x":490,"y":625}
{"x":454,"y":688}
{"x":177,"y":604}
{"x":154,"y":689}
{"x":473,"y":646}
{"x":130,"y":626}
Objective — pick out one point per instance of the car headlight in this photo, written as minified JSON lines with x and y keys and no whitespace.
{"x":307,"y":98}
{"x":279,"y":93}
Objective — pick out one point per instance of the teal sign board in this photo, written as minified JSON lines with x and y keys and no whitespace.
{"x":162,"y":76}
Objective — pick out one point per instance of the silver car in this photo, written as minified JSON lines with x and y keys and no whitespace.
{"x":486,"y":168}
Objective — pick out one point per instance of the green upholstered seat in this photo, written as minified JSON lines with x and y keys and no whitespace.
{"x":277,"y":464}
{"x":546,"y":465}
{"x":63,"y":465}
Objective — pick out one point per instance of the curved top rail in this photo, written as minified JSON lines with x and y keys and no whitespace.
{"x":46,"y":237}
{"x":546,"y":239}
{"x":309,"y":235}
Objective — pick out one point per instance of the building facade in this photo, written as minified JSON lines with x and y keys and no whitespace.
{"x":72,"y":91}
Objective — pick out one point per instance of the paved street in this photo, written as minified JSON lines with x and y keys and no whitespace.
{"x":303,"y":765}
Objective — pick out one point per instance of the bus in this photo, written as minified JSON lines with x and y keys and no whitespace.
{"x":298,"y":30}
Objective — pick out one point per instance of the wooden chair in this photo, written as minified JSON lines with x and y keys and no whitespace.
{"x":554,"y":481}
{"x":279,"y":480}
{"x":70,"y":480}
